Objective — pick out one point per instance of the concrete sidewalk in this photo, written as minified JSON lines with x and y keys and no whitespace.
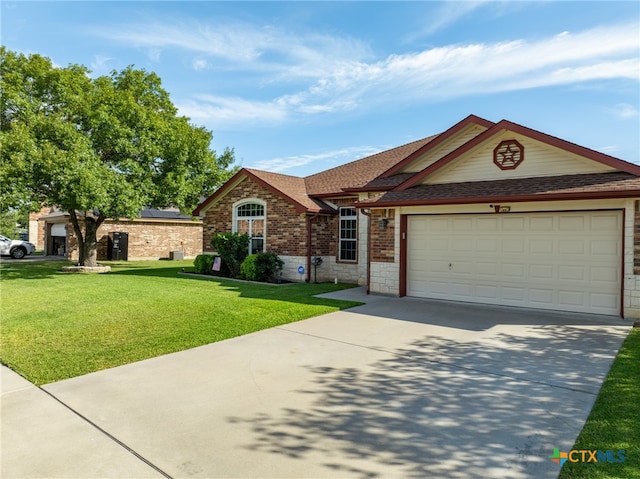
{"x":394,"y":388}
{"x":41,"y":437}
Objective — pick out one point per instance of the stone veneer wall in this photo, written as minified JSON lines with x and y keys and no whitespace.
{"x":147,"y":239}
{"x":631,"y":300}
{"x":384,"y":273}
{"x":328,"y":271}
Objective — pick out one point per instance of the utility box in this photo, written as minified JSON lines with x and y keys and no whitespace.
{"x":176,"y":255}
{"x":118,"y":248}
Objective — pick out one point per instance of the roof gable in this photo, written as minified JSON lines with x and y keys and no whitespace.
{"x":440,"y":145}
{"x":290,"y":188}
{"x":543,"y":155}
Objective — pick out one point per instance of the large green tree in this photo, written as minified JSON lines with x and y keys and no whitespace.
{"x":99,"y":148}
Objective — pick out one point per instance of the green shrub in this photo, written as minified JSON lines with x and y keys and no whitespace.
{"x":233,"y":248}
{"x":248,"y":269}
{"x":265,"y":267}
{"x":203,"y":263}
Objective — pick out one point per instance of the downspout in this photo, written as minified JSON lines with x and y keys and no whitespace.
{"x":310,"y":219}
{"x":368,"y":215}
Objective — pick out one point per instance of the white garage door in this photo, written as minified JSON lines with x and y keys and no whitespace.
{"x":563,"y":261}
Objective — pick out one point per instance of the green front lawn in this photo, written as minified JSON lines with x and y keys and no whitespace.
{"x":614,"y":422}
{"x":56,"y":325}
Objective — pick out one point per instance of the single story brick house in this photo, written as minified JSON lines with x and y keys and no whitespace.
{"x":484,"y":212}
{"x":154,"y":235}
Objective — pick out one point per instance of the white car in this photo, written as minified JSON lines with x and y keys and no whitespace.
{"x":15,"y":248}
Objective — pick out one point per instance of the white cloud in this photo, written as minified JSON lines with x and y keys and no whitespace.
{"x":230,"y":111}
{"x":609,"y":149}
{"x":335,"y":74}
{"x":200,"y":64}
{"x":449,"y":13}
{"x":337,"y":157}
{"x":100,"y":64}
{"x":624,"y":110}
{"x":250,"y":47}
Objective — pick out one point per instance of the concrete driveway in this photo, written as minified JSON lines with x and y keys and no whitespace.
{"x":395,"y":388}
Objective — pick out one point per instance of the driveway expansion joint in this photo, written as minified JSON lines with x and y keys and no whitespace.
{"x":107,"y":434}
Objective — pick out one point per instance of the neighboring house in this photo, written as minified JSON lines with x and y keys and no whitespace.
{"x":156,"y":234}
{"x":484,"y":212}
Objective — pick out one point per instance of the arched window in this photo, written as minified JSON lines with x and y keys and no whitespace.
{"x":250,"y":218}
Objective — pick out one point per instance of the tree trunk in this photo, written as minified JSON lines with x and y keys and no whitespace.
{"x":87,"y":242}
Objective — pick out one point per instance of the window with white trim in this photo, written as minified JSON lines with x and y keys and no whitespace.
{"x":348,"y":246}
{"x":250,"y":218}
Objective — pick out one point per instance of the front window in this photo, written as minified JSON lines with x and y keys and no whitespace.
{"x":250,"y":220}
{"x":348,"y":234}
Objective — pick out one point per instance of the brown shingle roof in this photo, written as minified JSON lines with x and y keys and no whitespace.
{"x":594,"y":185}
{"x":360,"y":172}
{"x":292,"y":187}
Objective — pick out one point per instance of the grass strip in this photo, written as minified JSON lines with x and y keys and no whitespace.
{"x":58,"y":325}
{"x":614,"y":421}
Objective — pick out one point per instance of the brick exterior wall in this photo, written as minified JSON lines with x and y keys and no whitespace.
{"x":286,"y":229}
{"x":324,"y":236}
{"x":147,"y":239}
{"x":287,"y":233}
{"x":383,"y":241}
{"x":36,"y":228}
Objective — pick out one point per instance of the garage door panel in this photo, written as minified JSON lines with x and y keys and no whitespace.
{"x":605,"y":222}
{"x":603,"y":273}
{"x":463,"y":268}
{"x":486,"y":245}
{"x":541,"y":223}
{"x":572,"y":273}
{"x":513,"y":224}
{"x":573,"y":223}
{"x":572,"y":298}
{"x":564,"y":261}
{"x":486,"y":269}
{"x":541,"y":297}
{"x":541,"y":271}
{"x":602,"y":301}
{"x":487,"y":224}
{"x":438,"y":244}
{"x":513,"y":245}
{"x":487,"y":291}
{"x":516,"y":270}
{"x":540,"y":246}
{"x":462,"y":224}
{"x":603,"y":248}
{"x":462,"y":245}
{"x":571,"y":246}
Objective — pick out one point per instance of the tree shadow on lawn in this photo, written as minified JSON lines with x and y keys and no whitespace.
{"x":32,"y":269}
{"x":290,"y":292}
{"x":445,"y":408}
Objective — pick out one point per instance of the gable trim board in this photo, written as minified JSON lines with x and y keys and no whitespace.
{"x":505,"y":125}
{"x":437,"y":141}
{"x":455,"y":173}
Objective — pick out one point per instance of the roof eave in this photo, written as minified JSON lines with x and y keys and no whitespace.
{"x":534,"y":197}
{"x":229,"y":184}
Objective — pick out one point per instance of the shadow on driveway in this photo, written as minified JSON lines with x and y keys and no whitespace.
{"x":493,"y":405}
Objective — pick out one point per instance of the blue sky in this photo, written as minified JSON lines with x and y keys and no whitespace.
{"x":299,"y":87}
